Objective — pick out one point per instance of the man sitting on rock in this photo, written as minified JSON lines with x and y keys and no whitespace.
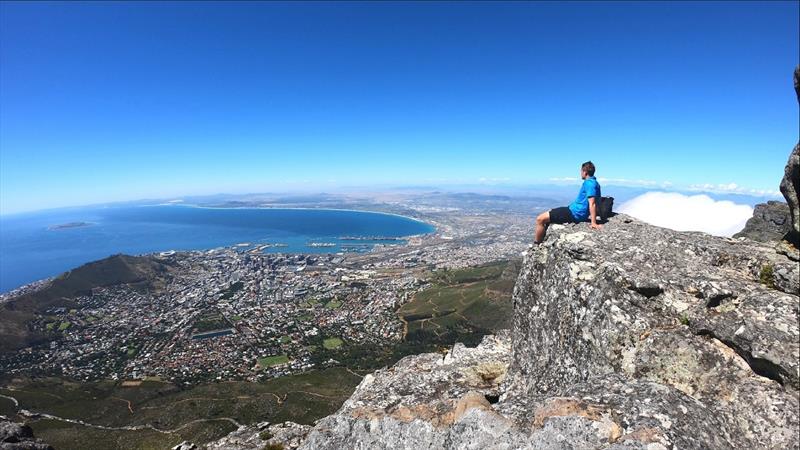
{"x":584,"y":207}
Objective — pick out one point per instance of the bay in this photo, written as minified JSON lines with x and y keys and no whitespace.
{"x":39,"y":245}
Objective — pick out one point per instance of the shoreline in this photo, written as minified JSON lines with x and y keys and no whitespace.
{"x":435,"y":228}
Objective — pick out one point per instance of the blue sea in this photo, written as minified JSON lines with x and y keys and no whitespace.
{"x":30,"y":249}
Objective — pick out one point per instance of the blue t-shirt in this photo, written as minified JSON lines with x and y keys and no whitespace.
{"x":580,"y":207}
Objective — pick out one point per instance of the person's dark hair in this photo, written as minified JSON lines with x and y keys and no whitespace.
{"x":588,"y":166}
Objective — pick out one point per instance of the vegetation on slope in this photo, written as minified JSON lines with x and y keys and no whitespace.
{"x":141,"y":272}
{"x":202,"y":411}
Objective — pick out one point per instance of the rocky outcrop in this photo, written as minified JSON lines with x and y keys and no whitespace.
{"x":796,"y":79}
{"x":790,"y":184}
{"x":790,"y":188}
{"x":425,"y":401}
{"x":286,"y":436}
{"x":771,"y":221}
{"x":712,"y":321}
{"x":15,"y":436}
{"x":629,"y":337}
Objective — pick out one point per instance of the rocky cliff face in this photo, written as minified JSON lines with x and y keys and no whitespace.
{"x":632,"y":336}
{"x":790,"y":187}
{"x":710,"y":323}
{"x":790,"y":184}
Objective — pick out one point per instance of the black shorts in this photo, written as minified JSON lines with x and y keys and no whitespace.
{"x":561,"y":215}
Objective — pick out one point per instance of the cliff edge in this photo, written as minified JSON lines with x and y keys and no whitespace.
{"x":629,"y":337}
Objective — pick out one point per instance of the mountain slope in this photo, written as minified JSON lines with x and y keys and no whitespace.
{"x":140,"y":271}
{"x":633,"y":336}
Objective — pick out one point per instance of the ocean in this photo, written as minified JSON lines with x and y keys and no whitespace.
{"x":39,"y":245}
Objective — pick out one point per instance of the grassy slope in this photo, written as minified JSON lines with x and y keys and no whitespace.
{"x":461,"y":306}
{"x":301,"y":398}
{"x":478,"y":298}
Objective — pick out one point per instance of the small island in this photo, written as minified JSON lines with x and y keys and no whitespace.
{"x":64,"y":226}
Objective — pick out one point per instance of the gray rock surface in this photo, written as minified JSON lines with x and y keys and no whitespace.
{"x":629,"y":337}
{"x":16,"y":436}
{"x":425,"y":401}
{"x":715,"y":319}
{"x":790,"y":188}
{"x":289,"y":435}
{"x":796,"y":79}
{"x":771,"y":221}
{"x":790,"y":184}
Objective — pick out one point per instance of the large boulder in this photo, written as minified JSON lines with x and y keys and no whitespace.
{"x":714,"y":319}
{"x":771,"y":221}
{"x":629,"y":337}
{"x":790,"y":188}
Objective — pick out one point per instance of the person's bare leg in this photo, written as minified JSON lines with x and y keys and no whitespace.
{"x":541,"y":226}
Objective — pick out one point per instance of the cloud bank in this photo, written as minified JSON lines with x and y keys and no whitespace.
{"x":721,"y":188}
{"x":688,"y":213}
{"x":733,"y":188}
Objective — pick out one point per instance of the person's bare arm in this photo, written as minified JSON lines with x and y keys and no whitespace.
{"x":593,"y":213}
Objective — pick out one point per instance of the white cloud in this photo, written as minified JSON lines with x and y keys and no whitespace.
{"x":487,"y":180}
{"x":688,"y":213}
{"x":721,"y":188}
{"x":617,"y":182}
{"x":733,"y":188}
{"x":627,"y":182}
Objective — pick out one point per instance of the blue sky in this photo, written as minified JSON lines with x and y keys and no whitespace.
{"x":119,"y":101}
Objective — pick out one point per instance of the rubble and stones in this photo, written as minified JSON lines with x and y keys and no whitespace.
{"x":16,"y":436}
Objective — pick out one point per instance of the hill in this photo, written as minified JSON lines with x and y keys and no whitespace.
{"x":474,"y":300}
{"x":140,"y":272}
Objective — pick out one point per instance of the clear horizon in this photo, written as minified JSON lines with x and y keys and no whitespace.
{"x":112,"y":102}
{"x":562,"y":187}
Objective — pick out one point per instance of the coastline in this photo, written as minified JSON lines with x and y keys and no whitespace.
{"x":188,"y":205}
{"x":35,"y":285}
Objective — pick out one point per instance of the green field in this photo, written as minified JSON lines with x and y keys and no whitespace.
{"x":270,"y":361}
{"x":332,"y":343}
{"x":476,"y":297}
{"x":300,"y":398}
{"x":209,"y":321}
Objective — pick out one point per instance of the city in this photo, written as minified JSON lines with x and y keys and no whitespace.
{"x":238,"y":313}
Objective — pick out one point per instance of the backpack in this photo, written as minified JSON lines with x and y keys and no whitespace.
{"x":604,"y":207}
